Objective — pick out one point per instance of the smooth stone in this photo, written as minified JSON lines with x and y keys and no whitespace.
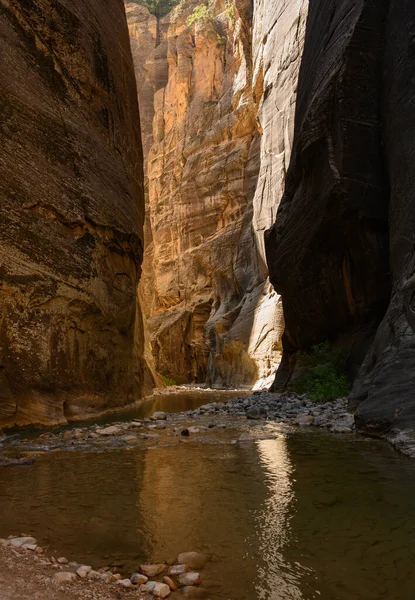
{"x":184,"y":432}
{"x":112,"y":430}
{"x":124,"y":582}
{"x":159,"y":416}
{"x":161,"y":590}
{"x":83,"y":571}
{"x":64,"y":577}
{"x":62,"y":560}
{"x":170,"y":582}
{"x":152,"y":570}
{"x":138,"y":578}
{"x":22,"y":541}
{"x":177,"y":569}
{"x":95,"y":575}
{"x":30,"y":547}
{"x":128,"y":439}
{"x":150,"y":586}
{"x":194,"y":430}
{"x":191,"y":578}
{"x":194,"y":560}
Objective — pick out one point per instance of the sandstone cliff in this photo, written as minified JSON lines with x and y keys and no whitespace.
{"x":214,"y":182}
{"x":71,"y":212}
{"x":341,"y":248}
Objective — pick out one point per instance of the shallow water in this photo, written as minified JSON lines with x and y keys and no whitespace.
{"x":297,"y":515}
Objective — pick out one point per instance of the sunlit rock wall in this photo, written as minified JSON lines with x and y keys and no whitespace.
{"x":71,"y":212}
{"x":215,"y":170}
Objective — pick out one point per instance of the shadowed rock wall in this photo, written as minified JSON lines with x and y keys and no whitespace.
{"x":71,"y":212}
{"x":342,"y":245}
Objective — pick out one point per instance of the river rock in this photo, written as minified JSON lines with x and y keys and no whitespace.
{"x":129,"y":439}
{"x":159,"y":416}
{"x":62,"y":560}
{"x":194,"y":430}
{"x":152,"y":570}
{"x":170,"y":582}
{"x":83,"y":571}
{"x":161,"y":590}
{"x":138,"y":578}
{"x":21,"y":541}
{"x":64,"y":577}
{"x":177,"y":569}
{"x":191,"y":578}
{"x":124,"y":583}
{"x":111,"y":430}
{"x":194,"y":560}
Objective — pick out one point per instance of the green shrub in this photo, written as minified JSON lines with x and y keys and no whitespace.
{"x":200,"y":13}
{"x":324,"y":379}
{"x":167,"y":381}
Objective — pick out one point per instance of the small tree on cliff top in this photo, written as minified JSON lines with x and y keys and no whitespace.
{"x":158,"y":8}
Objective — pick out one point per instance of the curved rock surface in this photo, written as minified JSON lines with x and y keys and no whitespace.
{"x":71,"y":212}
{"x":341,"y":248}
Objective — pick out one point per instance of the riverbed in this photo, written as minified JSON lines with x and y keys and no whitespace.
{"x":290,"y":513}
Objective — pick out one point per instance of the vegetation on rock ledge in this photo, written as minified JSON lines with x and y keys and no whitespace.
{"x":324,"y":377}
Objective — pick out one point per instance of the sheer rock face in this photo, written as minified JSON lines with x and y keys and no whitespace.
{"x":333,"y":250}
{"x":71,"y":212}
{"x":385,"y":386}
{"x":328,"y":250}
{"x":213,"y":184}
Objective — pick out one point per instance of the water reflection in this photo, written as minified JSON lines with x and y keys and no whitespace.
{"x":299,"y":516}
{"x":276,"y":579}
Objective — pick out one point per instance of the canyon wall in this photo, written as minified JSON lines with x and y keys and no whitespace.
{"x":341,"y":248}
{"x":71,"y":212}
{"x":223,"y":90}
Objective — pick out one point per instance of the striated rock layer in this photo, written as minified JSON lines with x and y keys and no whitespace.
{"x":341,"y":248}
{"x":214,"y":182}
{"x":71,"y":212}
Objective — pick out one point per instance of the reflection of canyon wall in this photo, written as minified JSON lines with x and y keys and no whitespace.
{"x":71,"y":211}
{"x":342,"y":247}
{"x":214,"y":182}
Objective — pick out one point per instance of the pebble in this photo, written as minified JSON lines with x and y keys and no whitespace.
{"x":170,"y":582}
{"x":112,"y":430}
{"x":22,"y":541}
{"x":64,"y":577}
{"x":124,"y":582}
{"x":62,"y":560}
{"x":138,"y":578}
{"x":152,"y":570}
{"x":177,"y":569}
{"x":161,"y":590}
{"x":159,"y":416}
{"x":191,"y":578}
{"x":83,"y":571}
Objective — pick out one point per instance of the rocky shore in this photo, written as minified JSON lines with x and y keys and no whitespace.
{"x":285,"y":408}
{"x":28,"y":570}
{"x":216,"y":422}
